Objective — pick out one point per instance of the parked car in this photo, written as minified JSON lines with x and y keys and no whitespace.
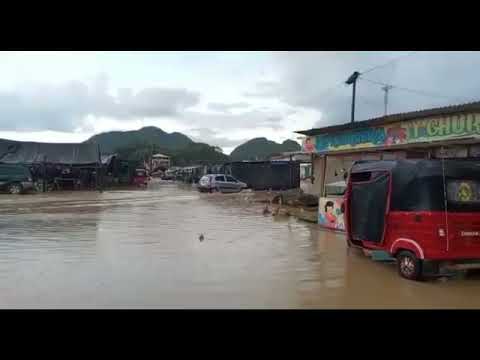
{"x":15,"y":179}
{"x":221,"y":183}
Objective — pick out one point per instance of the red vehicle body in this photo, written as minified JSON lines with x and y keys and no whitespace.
{"x":424,"y":213}
{"x":141,"y":178}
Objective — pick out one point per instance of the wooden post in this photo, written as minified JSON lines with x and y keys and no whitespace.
{"x":291,"y":174}
{"x":324,"y":175}
{"x":44,"y":184}
{"x":312,"y":158}
{"x":100,"y":173}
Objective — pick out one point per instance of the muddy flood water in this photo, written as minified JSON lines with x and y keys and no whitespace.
{"x":141,"y":249}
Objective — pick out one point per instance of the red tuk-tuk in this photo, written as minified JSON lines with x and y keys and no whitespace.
{"x":141,"y":178}
{"x":423,"y":213}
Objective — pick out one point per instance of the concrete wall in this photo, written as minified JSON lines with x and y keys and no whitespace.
{"x":317,"y":186}
{"x":338,"y":165}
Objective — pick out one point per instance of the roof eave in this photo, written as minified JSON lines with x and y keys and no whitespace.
{"x":383,"y":120}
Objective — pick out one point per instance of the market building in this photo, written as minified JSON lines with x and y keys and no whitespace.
{"x":447,"y":132}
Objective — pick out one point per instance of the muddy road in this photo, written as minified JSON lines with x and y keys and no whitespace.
{"x":141,"y":249}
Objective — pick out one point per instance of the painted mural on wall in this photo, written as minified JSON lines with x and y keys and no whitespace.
{"x":309,"y":144}
{"x":330,"y":213}
{"x":351,"y":139}
{"x":431,"y":129}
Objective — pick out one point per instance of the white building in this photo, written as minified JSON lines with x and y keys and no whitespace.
{"x":160,"y":161}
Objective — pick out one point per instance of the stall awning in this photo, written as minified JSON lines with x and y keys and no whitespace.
{"x":451,"y":142}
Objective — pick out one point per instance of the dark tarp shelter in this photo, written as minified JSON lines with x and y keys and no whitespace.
{"x":19,"y":152}
{"x":264,"y":175}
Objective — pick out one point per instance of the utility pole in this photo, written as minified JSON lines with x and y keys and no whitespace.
{"x":386,"y":88}
{"x":353,"y":80}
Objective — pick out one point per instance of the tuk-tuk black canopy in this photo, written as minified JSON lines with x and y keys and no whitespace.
{"x":419,"y":185}
{"x":416,"y":185}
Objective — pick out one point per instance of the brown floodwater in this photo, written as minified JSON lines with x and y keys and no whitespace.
{"x":141,"y":249}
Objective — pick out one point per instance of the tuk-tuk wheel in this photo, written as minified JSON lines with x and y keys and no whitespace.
{"x":409,"y":266}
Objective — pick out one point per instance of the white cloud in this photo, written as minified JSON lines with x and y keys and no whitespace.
{"x":315,"y":80}
{"x":216,"y":97}
{"x":46,"y":136}
{"x":227,"y":107}
{"x":69,"y":106}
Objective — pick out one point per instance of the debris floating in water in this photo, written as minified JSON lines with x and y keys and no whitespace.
{"x":266,"y":210}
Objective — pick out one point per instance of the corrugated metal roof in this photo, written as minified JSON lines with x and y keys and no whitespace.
{"x":383,"y":120}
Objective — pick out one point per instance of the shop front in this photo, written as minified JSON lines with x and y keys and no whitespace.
{"x":452,"y":132}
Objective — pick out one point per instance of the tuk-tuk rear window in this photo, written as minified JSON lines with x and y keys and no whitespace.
{"x":365,"y":176}
{"x":361,"y":176}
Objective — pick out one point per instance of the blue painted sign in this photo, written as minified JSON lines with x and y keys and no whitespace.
{"x":351,"y":139}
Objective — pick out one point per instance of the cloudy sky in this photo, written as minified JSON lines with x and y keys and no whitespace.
{"x":222,"y":98}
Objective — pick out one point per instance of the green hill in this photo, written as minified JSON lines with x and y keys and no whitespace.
{"x":111,"y":141}
{"x":193,"y":154}
{"x":261,"y":149}
{"x":199,"y":153}
{"x":139,"y":145}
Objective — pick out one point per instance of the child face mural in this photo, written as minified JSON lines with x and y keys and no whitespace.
{"x":396,"y":135}
{"x":331,"y":214}
{"x":308,"y":146}
{"x":331,"y":218}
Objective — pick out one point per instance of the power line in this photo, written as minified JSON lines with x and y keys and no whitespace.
{"x":414,"y":91}
{"x":367,"y":102}
{"x":367,"y":71}
{"x":388,"y":62}
{"x":331,"y":88}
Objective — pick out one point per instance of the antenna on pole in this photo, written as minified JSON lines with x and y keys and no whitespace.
{"x":353,"y":80}
{"x":386,"y":88}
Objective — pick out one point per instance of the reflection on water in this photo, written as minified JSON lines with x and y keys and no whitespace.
{"x":141,"y":249}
